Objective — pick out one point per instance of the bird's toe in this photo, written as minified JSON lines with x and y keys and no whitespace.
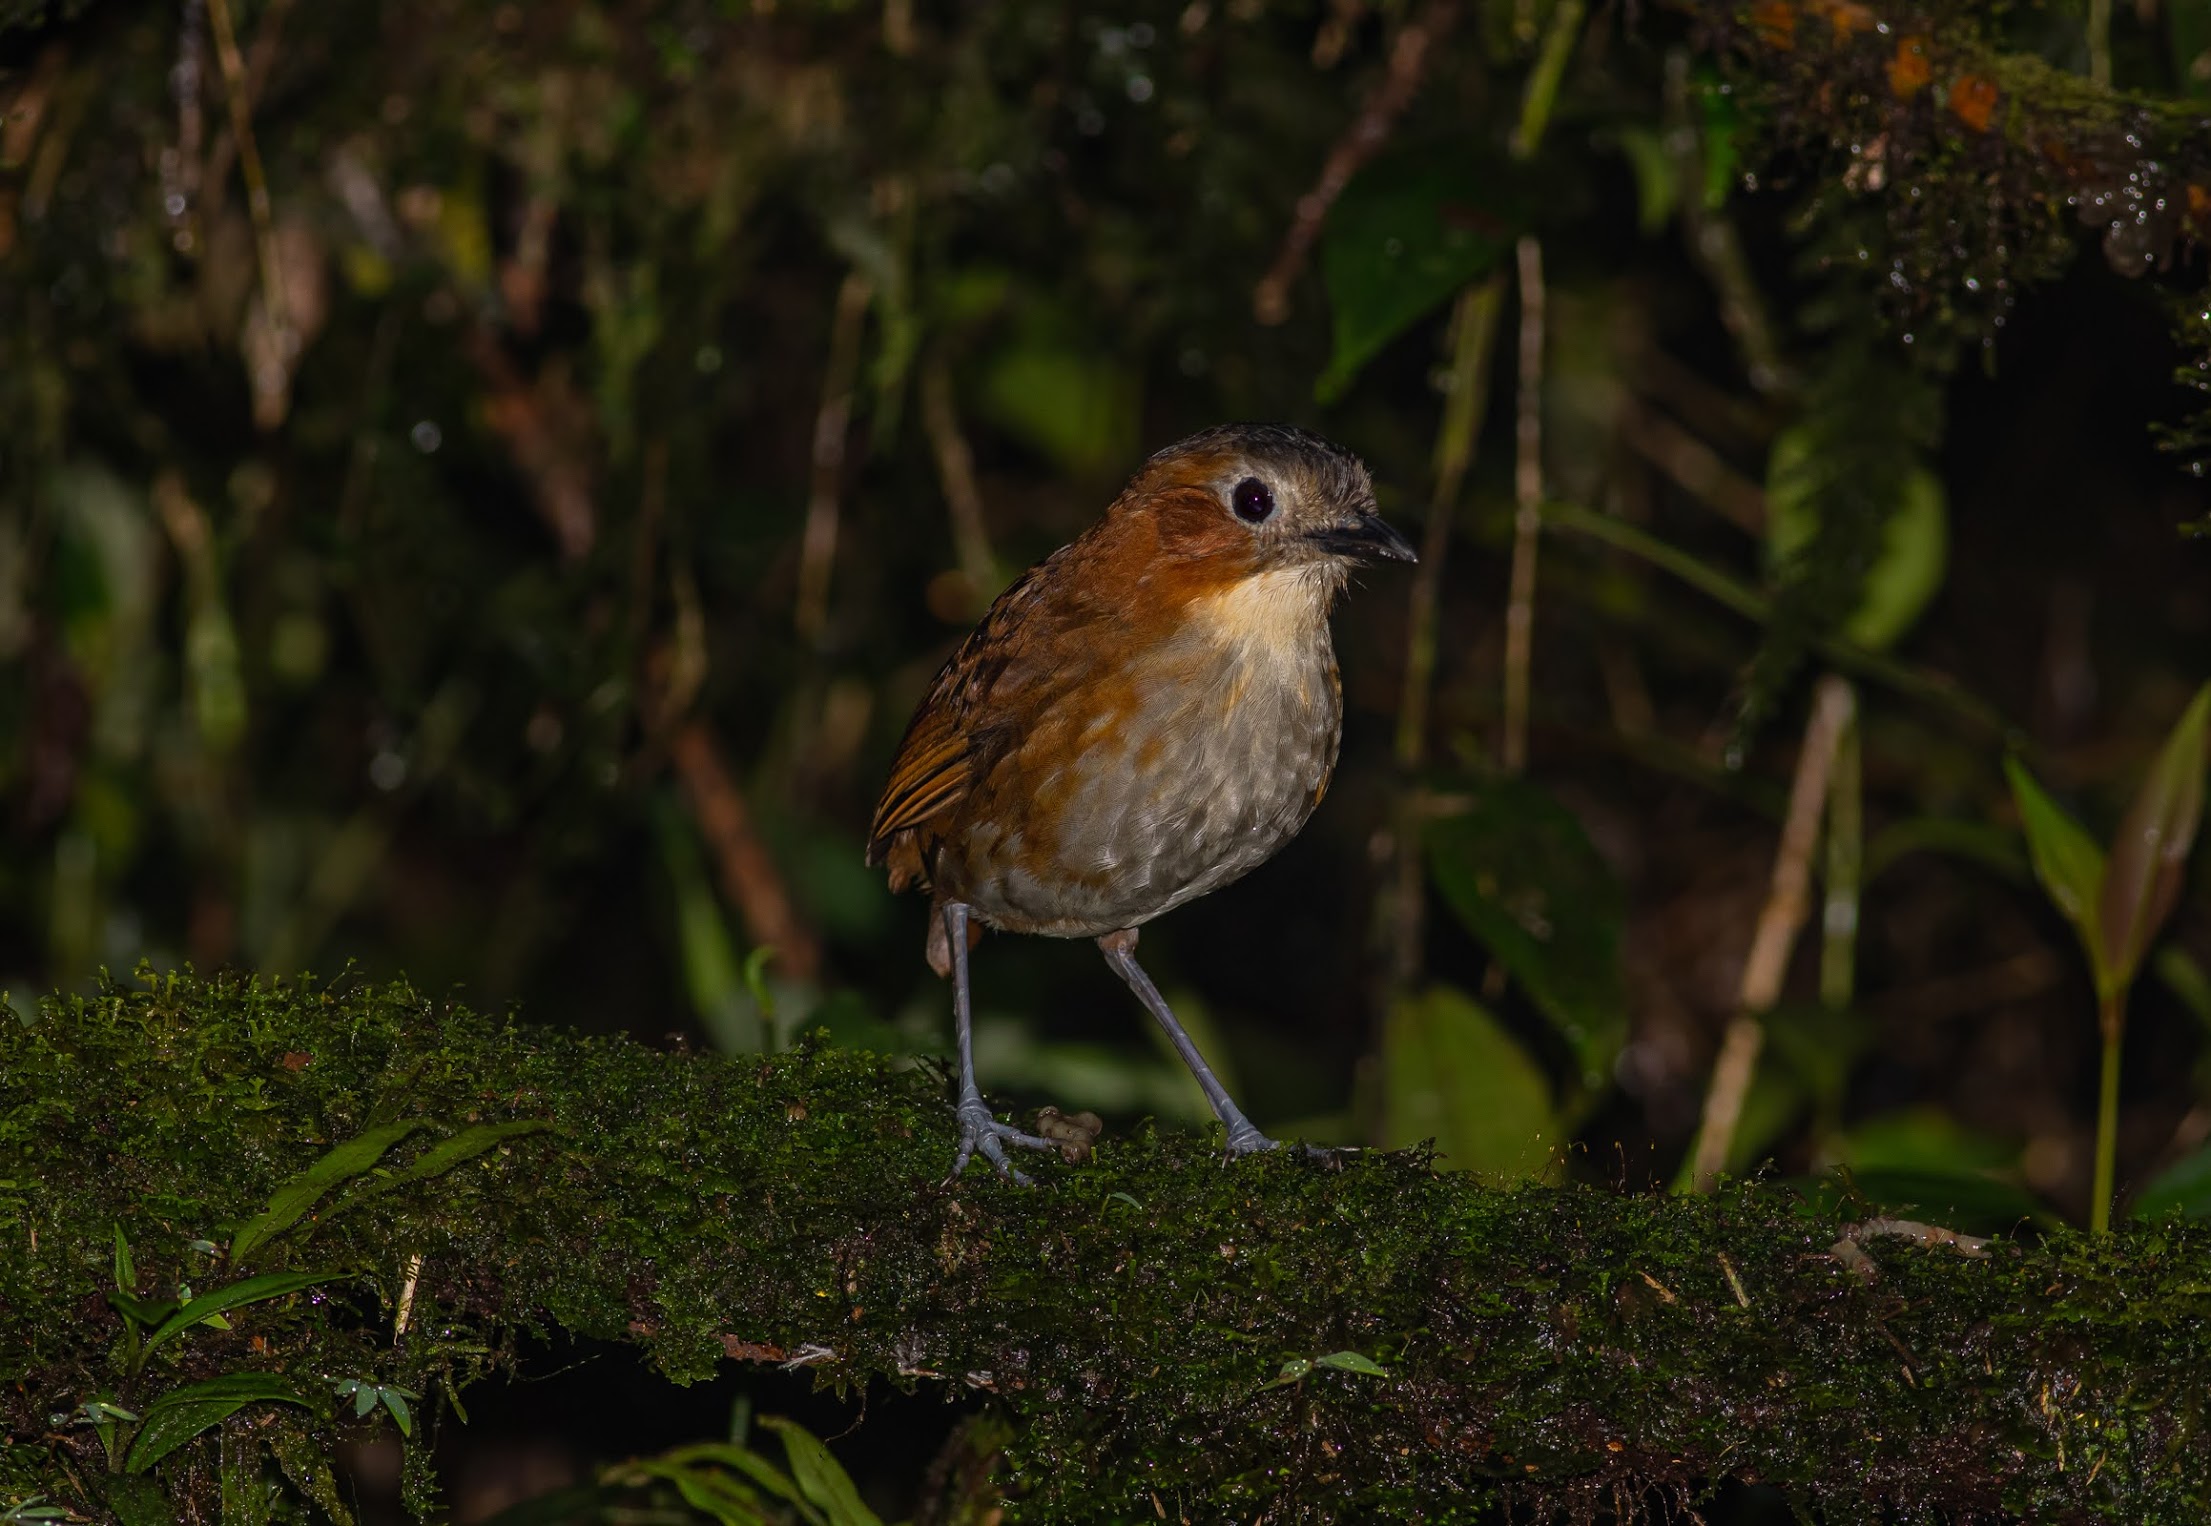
{"x":981,"y":1134}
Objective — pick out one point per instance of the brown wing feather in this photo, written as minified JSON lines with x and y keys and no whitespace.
{"x":938,"y":761}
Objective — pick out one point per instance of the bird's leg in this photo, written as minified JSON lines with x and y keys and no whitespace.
{"x":979,"y":1130}
{"x":1120,"y":952}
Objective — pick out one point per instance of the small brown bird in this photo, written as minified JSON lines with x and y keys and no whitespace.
{"x":1144,"y":716}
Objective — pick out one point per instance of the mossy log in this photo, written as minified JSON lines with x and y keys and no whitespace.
{"x":1149,"y":1319}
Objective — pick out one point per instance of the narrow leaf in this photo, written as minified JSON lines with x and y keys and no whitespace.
{"x":1352,"y":1361}
{"x":403,"y":1417}
{"x":178,"y":1416}
{"x":2151,"y":848}
{"x":820,"y":1475}
{"x":2066,"y":860}
{"x":448,"y":1153}
{"x":126,"y":1274}
{"x":253,"y":1290}
{"x":305,"y":1190}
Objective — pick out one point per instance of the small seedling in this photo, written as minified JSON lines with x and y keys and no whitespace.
{"x":366,"y":1396}
{"x":2117,"y":905}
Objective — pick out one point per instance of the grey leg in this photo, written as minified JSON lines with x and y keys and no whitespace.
{"x":1120,"y":952}
{"x":979,"y":1131}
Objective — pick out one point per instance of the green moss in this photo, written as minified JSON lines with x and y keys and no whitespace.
{"x":1132,"y":1314}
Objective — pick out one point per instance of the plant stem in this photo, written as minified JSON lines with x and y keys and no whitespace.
{"x":1787,"y":899}
{"x":1904,"y":677}
{"x":1527,"y":519}
{"x":2112,"y":1019}
{"x":1845,"y":863}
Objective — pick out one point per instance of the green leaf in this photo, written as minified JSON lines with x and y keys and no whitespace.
{"x":448,"y":1153}
{"x":2150,"y":850}
{"x":1519,"y":871}
{"x":139,"y":1501}
{"x":1657,"y":186}
{"x":403,"y":1417}
{"x":305,"y":1190}
{"x":176,"y":1417}
{"x":144,"y":1312}
{"x":820,"y":1476}
{"x":1352,"y":1361}
{"x":2183,"y":1189}
{"x":1294,"y":1370}
{"x":1915,"y":545}
{"x":2066,"y":860}
{"x":126,"y":1274}
{"x":730,"y":1454}
{"x":1451,"y":1073}
{"x":258,"y":1289}
{"x":1405,"y":237}
{"x":1722,"y":137}
{"x":1061,"y":393}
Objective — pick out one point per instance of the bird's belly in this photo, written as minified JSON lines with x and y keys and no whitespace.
{"x":1183,"y":792}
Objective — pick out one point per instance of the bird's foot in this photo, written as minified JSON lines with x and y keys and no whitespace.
{"x":982,"y":1134}
{"x":1244,"y":1138}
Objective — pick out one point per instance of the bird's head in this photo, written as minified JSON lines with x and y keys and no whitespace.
{"x":1261,"y":498}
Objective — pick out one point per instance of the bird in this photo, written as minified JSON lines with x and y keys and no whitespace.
{"x":1147,"y":714}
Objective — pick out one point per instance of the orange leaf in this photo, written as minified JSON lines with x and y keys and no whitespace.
{"x":1775,"y":22}
{"x":1973,"y":101}
{"x":1910,"y":69}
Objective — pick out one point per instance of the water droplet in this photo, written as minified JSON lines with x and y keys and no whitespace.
{"x":427,"y":437}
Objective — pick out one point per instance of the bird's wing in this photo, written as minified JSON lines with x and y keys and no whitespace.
{"x":939,"y":758}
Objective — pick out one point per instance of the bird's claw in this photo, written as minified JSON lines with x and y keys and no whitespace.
{"x":1244,"y":1138}
{"x":982,"y":1134}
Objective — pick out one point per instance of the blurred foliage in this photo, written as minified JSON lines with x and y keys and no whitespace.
{"x":485,"y":483}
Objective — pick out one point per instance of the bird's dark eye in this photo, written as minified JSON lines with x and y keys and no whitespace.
{"x":1253,"y":499}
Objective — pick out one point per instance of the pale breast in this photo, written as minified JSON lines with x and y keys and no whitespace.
{"x":1214,"y":759}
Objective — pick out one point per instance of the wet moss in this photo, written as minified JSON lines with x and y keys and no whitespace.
{"x":1133,"y":1315}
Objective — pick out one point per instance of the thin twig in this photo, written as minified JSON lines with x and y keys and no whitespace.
{"x":1849,"y":1250}
{"x":748,"y":872}
{"x":1787,"y":900}
{"x":963,"y":500}
{"x":407,"y":1297}
{"x":1838,"y":921}
{"x":1527,"y":519}
{"x":832,"y":424}
{"x":1409,"y":55}
{"x":1695,"y":467}
{"x":275,"y":311}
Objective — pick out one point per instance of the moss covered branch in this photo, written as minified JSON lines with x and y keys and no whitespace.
{"x":1151,"y":1320}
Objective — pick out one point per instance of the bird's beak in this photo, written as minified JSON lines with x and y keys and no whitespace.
{"x":1367,"y":537}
